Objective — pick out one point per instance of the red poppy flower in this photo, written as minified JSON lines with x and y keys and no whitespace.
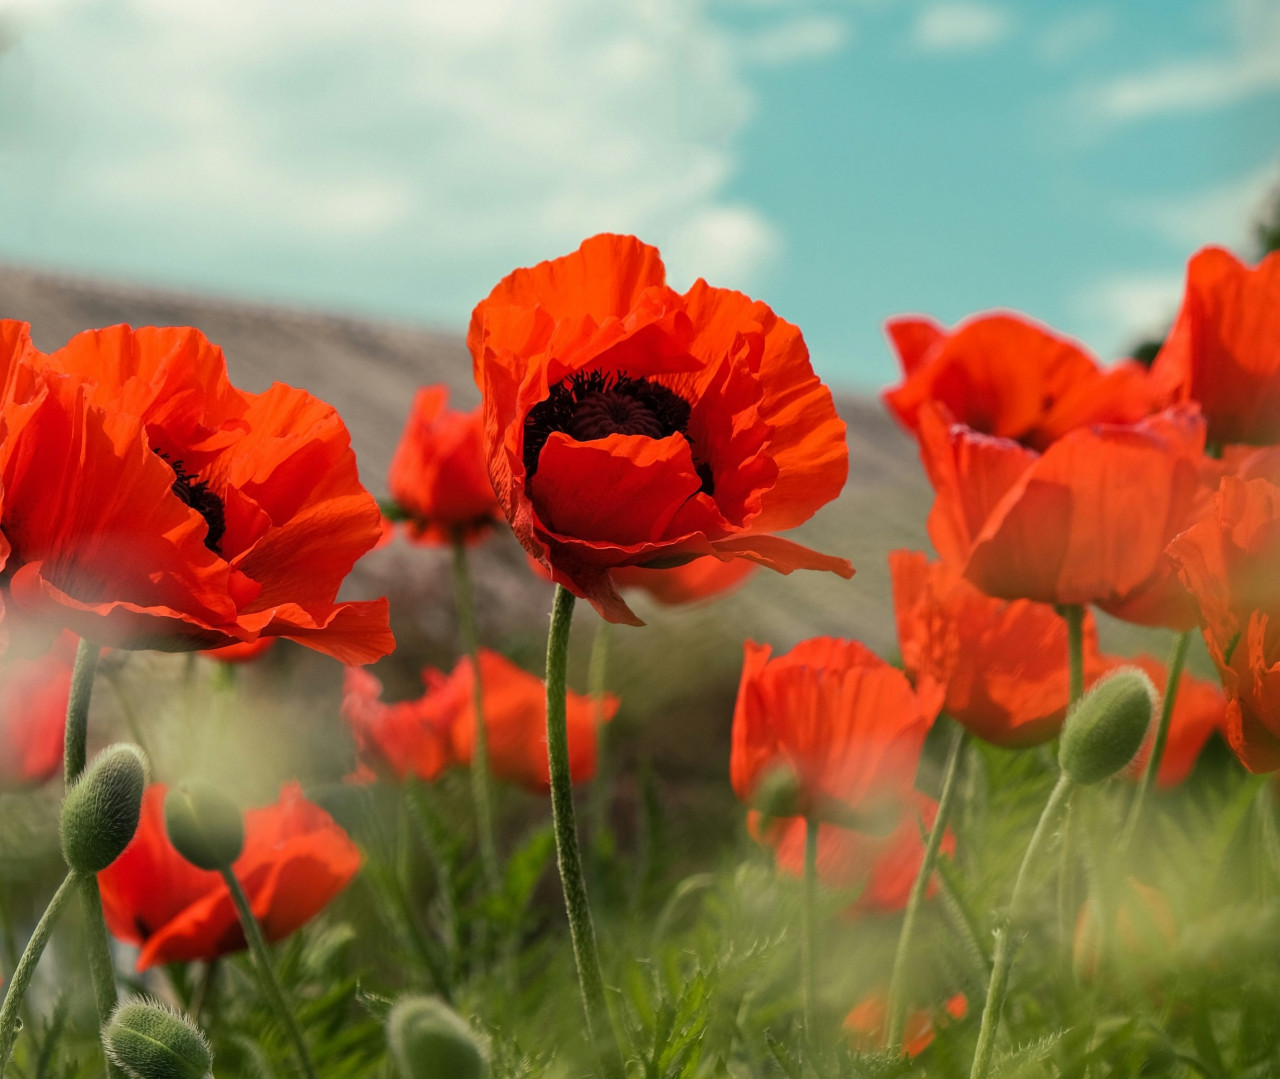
{"x":438,"y":475}
{"x":295,"y":860}
{"x":1144,"y":931}
{"x":866,"y":1024}
{"x":1199,"y":710}
{"x":1003,"y":374}
{"x":33,"y":709}
{"x":241,"y":652}
{"x":1087,"y":521}
{"x":404,"y":738}
{"x":1224,"y":348}
{"x":999,"y":667}
{"x":626,"y":424}
{"x":1229,"y":561}
{"x":846,"y":725}
{"x":703,"y":578}
{"x":882,"y":867}
{"x":188,"y":514}
{"x":515,"y":720}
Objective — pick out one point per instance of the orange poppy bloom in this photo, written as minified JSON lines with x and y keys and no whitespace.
{"x":881,"y":866}
{"x":403,"y":738}
{"x":844,"y":724}
{"x":1224,"y":348}
{"x":1003,"y":374}
{"x":438,"y":476}
{"x":33,"y":709}
{"x":999,"y":667}
{"x":627,"y":424}
{"x":1228,"y":560}
{"x":1087,"y":521}
{"x":295,"y":860}
{"x":189,"y":514}
{"x":866,"y":1024}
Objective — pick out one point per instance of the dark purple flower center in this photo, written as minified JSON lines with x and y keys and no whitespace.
{"x":196,"y":494}
{"x":594,"y":404}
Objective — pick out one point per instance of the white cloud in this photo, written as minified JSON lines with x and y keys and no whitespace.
{"x":1067,"y":37}
{"x":1120,"y":310}
{"x":1222,"y":214}
{"x":1201,"y":83}
{"x":454,"y":139}
{"x":960,"y":26}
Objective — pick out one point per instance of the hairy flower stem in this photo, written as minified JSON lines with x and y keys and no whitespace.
{"x":1005,"y":936}
{"x":1176,"y":662}
{"x":480,"y":788}
{"x":808,"y":927}
{"x":568,"y":854}
{"x":897,"y":980}
{"x":75,"y":754}
{"x":27,"y":967}
{"x":267,"y":976}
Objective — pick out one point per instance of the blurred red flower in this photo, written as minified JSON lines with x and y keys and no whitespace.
{"x":33,"y":709}
{"x":1224,"y":348}
{"x":999,"y":667}
{"x":1085,"y":522}
{"x":1003,"y":374}
{"x":1229,"y":560}
{"x":438,"y":476}
{"x":1143,"y":932}
{"x":241,"y":651}
{"x":866,"y":1023}
{"x":881,"y":866}
{"x":845,"y":725}
{"x":626,"y":424}
{"x":295,"y":860}
{"x":703,"y":578}
{"x":427,"y":735}
{"x":403,"y":738}
{"x":189,"y":514}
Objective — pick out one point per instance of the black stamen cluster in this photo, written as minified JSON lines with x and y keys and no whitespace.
{"x":593,"y":404}
{"x":196,"y":494}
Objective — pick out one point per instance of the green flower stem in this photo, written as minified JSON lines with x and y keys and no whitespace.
{"x":27,"y":967}
{"x":897,"y":981}
{"x":568,"y":854}
{"x":480,"y":787}
{"x":75,"y":753}
{"x":1005,"y":937}
{"x":77,"y":732}
{"x":808,"y":925}
{"x":262,"y":959}
{"x":1176,"y":662}
{"x":1074,"y":615}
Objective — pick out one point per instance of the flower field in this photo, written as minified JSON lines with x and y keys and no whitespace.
{"x":243,"y":833}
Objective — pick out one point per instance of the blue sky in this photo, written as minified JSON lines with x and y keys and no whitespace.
{"x":844,"y":160}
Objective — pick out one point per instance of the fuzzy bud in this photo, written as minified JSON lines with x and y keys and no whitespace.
{"x":100,"y":812}
{"x":204,"y":825}
{"x":429,"y":1040}
{"x":1105,"y":729}
{"x":149,"y":1041}
{"x":777,"y":794}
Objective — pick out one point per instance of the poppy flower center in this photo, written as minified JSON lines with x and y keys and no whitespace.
{"x":196,"y":494}
{"x":594,"y":404}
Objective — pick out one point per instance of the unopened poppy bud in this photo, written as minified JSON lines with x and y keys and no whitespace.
{"x":429,"y":1040}
{"x":100,"y":812}
{"x":1105,"y":729}
{"x":149,"y":1041}
{"x":204,"y":825}
{"x":778,"y":793}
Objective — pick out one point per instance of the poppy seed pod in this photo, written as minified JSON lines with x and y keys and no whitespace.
{"x":204,"y":825}
{"x":100,"y":812}
{"x":149,"y":1041}
{"x":1106,"y":727}
{"x":429,"y":1040}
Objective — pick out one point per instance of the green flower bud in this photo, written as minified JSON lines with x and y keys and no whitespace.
{"x":100,"y":812}
{"x":1107,"y":725}
{"x":429,"y":1040}
{"x":204,"y":825}
{"x":149,"y":1041}
{"x":777,"y":794}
